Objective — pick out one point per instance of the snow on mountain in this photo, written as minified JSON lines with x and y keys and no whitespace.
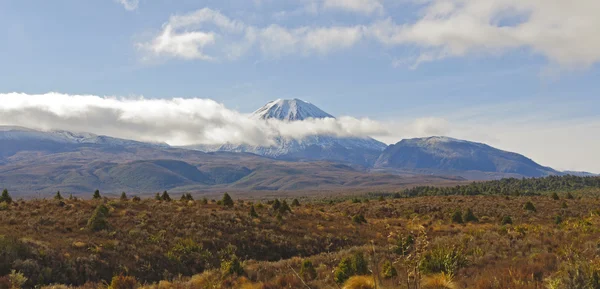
{"x":362,"y":151}
{"x":12,"y":133}
{"x":289,"y":110}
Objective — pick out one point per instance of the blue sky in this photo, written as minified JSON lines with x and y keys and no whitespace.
{"x":509,"y":73}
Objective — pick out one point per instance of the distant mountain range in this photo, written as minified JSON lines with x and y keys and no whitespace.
{"x":34,"y":162}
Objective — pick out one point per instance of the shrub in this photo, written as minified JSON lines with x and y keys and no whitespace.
{"x":307,"y":271}
{"x":124,"y":196}
{"x":17,"y":279}
{"x":507,"y":220}
{"x":58,"y":196}
{"x":165,"y":196}
{"x":284,"y":208}
{"x":443,"y":260}
{"x":570,"y":196}
{"x":359,"y":219}
{"x":360,"y":282}
{"x":4,"y":206}
{"x":529,"y":206}
{"x":96,"y":195}
{"x":555,"y":196}
{"x":558,"y":219}
{"x":98,"y":222}
{"x":359,"y":264}
{"x":187,"y":197}
{"x":343,"y":270}
{"x":388,"y":270}
{"x":123,"y":282}
{"x":457,"y":218}
{"x":157,"y":197}
{"x":136,"y":199}
{"x":227,"y":201}
{"x":189,"y":256}
{"x":253,"y":213}
{"x":295,"y":203}
{"x":564,"y":205}
{"x":276,"y":205}
{"x":470,"y":217}
{"x":404,"y":245}
{"x":232,"y":267}
{"x":204,"y":201}
{"x":5,"y":197}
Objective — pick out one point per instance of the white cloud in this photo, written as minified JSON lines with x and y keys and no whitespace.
{"x":175,"y":121}
{"x":129,"y":4}
{"x":562,"y":31}
{"x":188,"y":36}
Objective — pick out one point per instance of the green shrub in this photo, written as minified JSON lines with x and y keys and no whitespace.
{"x":343,"y":271}
{"x":17,"y":279}
{"x":443,"y":260}
{"x":58,"y":196}
{"x":136,"y":199}
{"x":507,"y":220}
{"x":276,"y":205}
{"x":124,"y":196}
{"x":388,"y":271}
{"x":165,"y":196}
{"x":555,"y":196}
{"x":470,"y":217}
{"x":359,"y":264}
{"x":359,"y":219}
{"x":529,"y":206}
{"x":570,"y":196}
{"x":204,"y":201}
{"x":157,"y":197}
{"x":5,"y":197}
{"x":564,"y":205}
{"x":295,"y":203}
{"x":96,"y":195}
{"x":253,"y":212}
{"x":227,"y":201}
{"x":558,"y":219}
{"x":284,"y":208}
{"x":457,"y":218}
{"x":307,"y":271}
{"x":97,"y":222}
{"x":232,"y":267}
{"x":4,"y":206}
{"x":123,"y":282}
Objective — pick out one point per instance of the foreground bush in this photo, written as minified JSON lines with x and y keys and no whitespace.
{"x":360,"y":282}
{"x":123,"y":282}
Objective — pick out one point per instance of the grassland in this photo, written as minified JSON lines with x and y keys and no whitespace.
{"x":455,"y":241}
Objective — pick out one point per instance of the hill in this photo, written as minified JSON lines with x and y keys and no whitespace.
{"x":448,"y":156}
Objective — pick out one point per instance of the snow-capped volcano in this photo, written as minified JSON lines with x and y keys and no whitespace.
{"x":289,"y":110}
{"x":355,"y":150}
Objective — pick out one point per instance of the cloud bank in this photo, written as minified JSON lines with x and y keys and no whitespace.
{"x":175,"y":121}
{"x":564,"y":32}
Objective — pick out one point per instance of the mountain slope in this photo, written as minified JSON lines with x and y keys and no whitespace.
{"x":448,"y":156}
{"x":360,"y":151}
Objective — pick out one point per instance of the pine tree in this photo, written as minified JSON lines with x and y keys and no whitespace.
{"x":97,"y":221}
{"x":96,"y":195}
{"x":227,"y":201}
{"x":469,"y":216}
{"x":570,"y":196}
{"x":457,"y":218}
{"x":555,"y":196}
{"x":529,"y":206}
{"x":359,"y":264}
{"x":507,"y":220}
{"x":5,"y":198}
{"x":295,"y":203}
{"x":284,"y":208}
{"x":343,"y":271}
{"x":165,"y":196}
{"x":253,"y":213}
{"x":124,"y":196}
{"x":58,"y":196}
{"x":158,"y":197}
{"x":388,"y":270}
{"x":276,"y":205}
{"x":189,"y":197}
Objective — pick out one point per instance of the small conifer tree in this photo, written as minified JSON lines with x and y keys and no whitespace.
{"x":165,"y":196}
{"x":555,"y":196}
{"x":253,"y":213}
{"x":276,"y":205}
{"x":5,"y":197}
{"x":570,"y":196}
{"x":227,"y":201}
{"x":295,"y":203}
{"x":457,"y":218}
{"x":359,"y":264}
{"x":284,"y":208}
{"x":158,"y":197}
{"x":507,"y":220}
{"x":97,"y":221}
{"x":529,"y":206}
{"x":343,"y":271}
{"x":124,"y":196}
{"x":470,"y":217}
{"x":96,"y":195}
{"x":388,"y":271}
{"x":58,"y":196}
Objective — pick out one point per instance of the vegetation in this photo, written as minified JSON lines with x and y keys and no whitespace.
{"x":5,"y":197}
{"x":408,"y":243}
{"x":227,"y":201}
